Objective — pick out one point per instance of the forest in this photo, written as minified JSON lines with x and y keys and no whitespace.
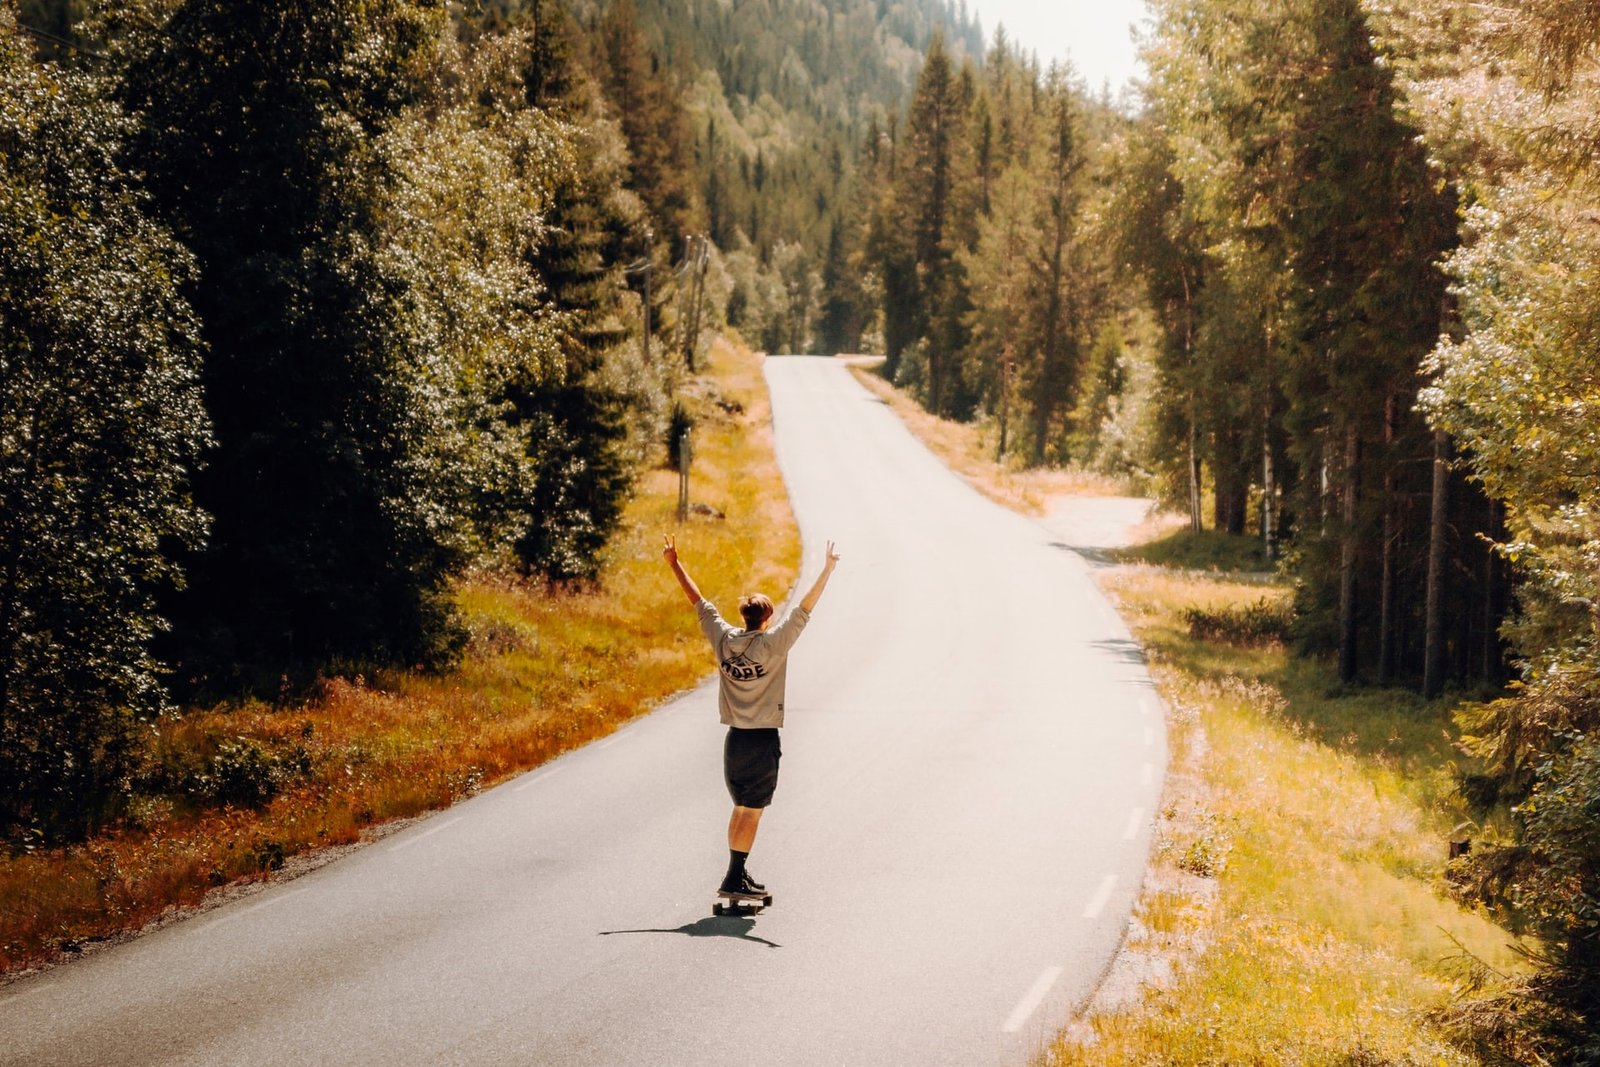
{"x":311,"y":308}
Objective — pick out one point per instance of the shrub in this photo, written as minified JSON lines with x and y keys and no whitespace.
{"x":1266,"y":622}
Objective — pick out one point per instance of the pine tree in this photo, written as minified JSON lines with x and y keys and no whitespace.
{"x":577,"y":422}
{"x":1296,"y":157}
{"x":1059,"y":302}
{"x":1362,"y":242}
{"x":919,"y":266}
{"x":996,"y":269}
{"x":653,"y":119}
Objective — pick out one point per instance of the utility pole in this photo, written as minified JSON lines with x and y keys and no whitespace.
{"x":649,"y":262}
{"x":684,"y":459}
{"x":701,"y":261}
{"x":682,"y":325}
{"x":643,"y":267}
{"x":1433,"y":611}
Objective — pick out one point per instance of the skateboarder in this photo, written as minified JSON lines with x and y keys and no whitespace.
{"x":754,"y":667}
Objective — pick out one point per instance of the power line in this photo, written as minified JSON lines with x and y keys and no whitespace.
{"x":46,"y":35}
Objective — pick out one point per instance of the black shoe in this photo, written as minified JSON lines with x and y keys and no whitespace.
{"x":739,"y":890}
{"x":750,"y":885}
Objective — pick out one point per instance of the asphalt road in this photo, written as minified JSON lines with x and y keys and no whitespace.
{"x":972,"y":760}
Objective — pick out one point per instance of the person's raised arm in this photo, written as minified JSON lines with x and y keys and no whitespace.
{"x":670,"y":552}
{"x":809,"y":602}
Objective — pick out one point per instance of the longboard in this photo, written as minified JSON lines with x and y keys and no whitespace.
{"x":740,"y":903}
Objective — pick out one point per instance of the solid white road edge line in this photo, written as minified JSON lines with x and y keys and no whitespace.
{"x":1135,"y":820}
{"x":1097,"y":903}
{"x":429,"y":832}
{"x":1031,"y":1000}
{"x":279,"y":899}
{"x":535,"y":779}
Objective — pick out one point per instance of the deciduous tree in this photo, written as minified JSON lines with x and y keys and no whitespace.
{"x":101,"y":426}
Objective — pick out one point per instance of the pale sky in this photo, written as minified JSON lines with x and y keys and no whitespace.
{"x":1092,"y":33}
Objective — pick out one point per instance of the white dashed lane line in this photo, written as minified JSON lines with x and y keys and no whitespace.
{"x":1147,"y":774}
{"x":1030,"y":1000}
{"x":1135,"y":821}
{"x":1097,"y":903}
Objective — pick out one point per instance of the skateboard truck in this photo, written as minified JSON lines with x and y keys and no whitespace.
{"x":740,"y":903}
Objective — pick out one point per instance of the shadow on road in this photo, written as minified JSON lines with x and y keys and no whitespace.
{"x":1123,"y":649}
{"x":1098,"y":557}
{"x":734,"y":926}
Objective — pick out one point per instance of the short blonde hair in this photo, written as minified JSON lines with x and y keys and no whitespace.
{"x":755,"y":610}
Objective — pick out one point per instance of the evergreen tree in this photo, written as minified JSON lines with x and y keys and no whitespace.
{"x":650,"y":109}
{"x":914,"y":243}
{"x":996,"y":269}
{"x":844,"y":311}
{"x":1362,"y":244}
{"x":1161,"y":242}
{"x":1321,"y":223}
{"x":579,"y":422}
{"x":1060,"y":292}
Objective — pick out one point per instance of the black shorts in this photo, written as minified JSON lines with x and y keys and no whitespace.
{"x":750,"y":765}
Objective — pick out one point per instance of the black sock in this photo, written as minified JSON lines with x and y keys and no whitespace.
{"x":736,"y":864}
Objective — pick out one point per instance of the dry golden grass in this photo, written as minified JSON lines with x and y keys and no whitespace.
{"x":968,"y":449}
{"x":545,"y":672}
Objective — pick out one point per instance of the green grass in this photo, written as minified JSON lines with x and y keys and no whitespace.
{"x":1208,"y":550}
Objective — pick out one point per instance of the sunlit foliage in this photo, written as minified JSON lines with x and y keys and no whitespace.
{"x":101,"y":427}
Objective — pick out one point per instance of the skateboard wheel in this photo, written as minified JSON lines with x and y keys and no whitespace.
{"x":716,"y":909}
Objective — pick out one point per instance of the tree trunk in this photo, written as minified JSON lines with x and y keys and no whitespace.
{"x":1196,"y":517}
{"x":702,"y":258}
{"x":1324,"y":482}
{"x":1386,"y":636}
{"x":1005,"y":401}
{"x":1493,"y":658}
{"x":649,"y":259}
{"x":1268,"y":488}
{"x":1230,"y":479}
{"x":1433,"y":625}
{"x":1347,"y":557}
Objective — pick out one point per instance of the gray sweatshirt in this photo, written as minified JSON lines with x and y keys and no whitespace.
{"x":754,"y":665}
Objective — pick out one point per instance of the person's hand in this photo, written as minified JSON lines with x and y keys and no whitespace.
{"x":833,"y":556}
{"x":669,"y":550}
